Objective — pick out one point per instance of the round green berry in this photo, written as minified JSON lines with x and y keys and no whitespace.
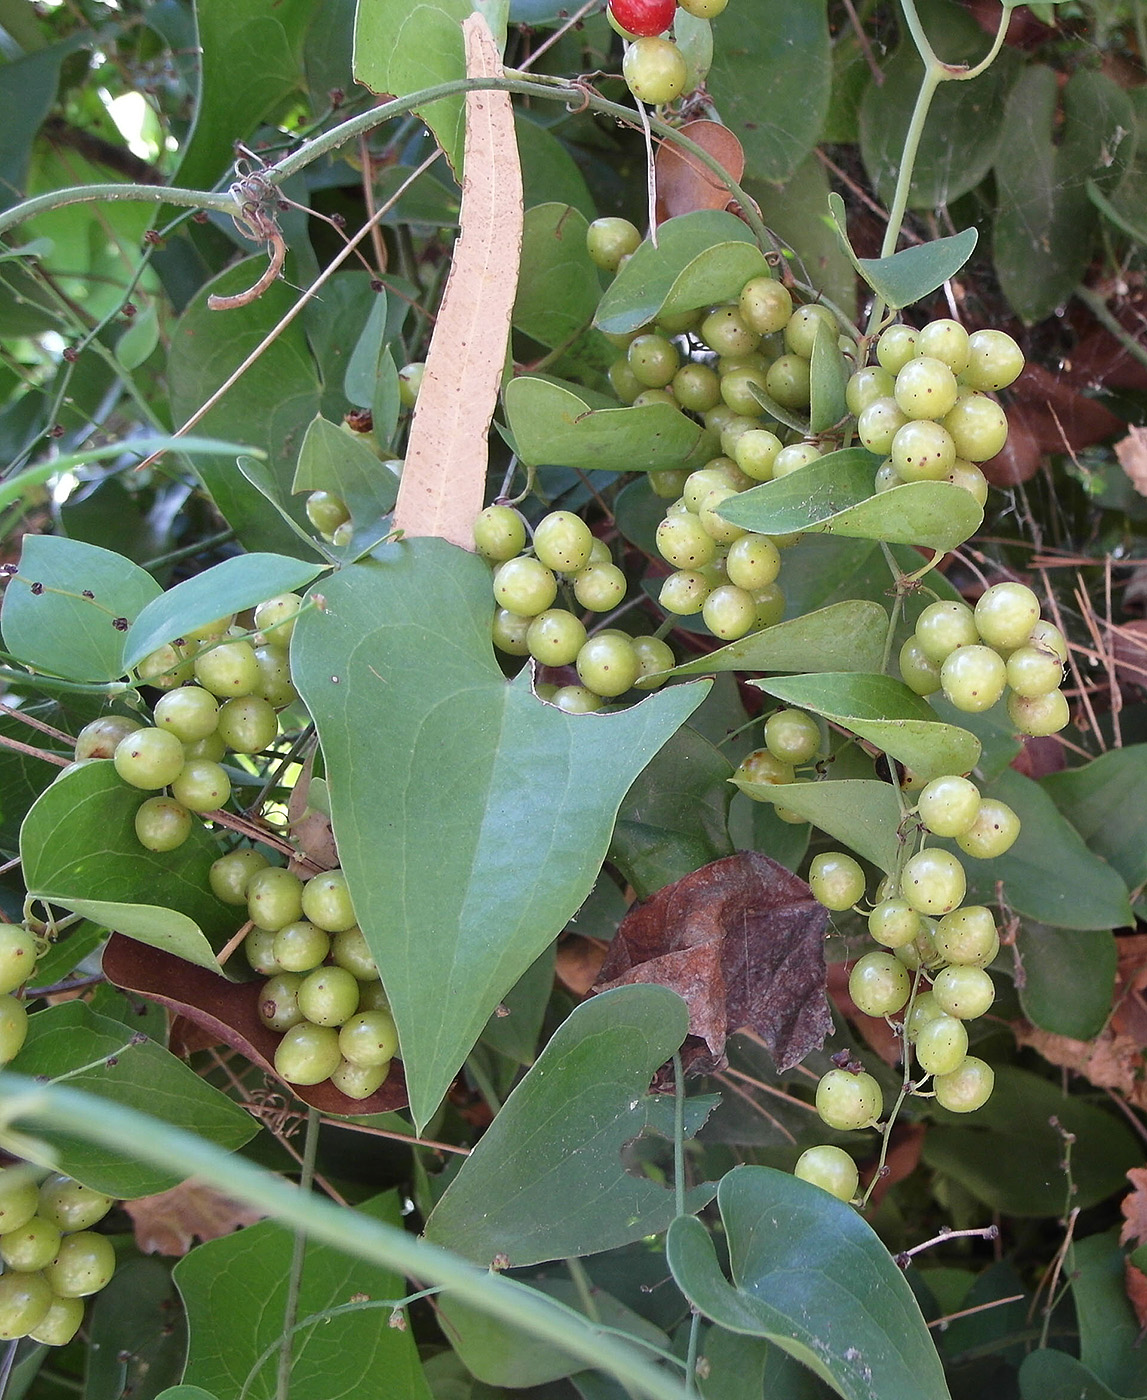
{"x":162,"y":824}
{"x":846,"y":1101}
{"x":879,"y":984}
{"x":729,"y":612}
{"x":563,"y":541}
{"x":84,"y":1265}
{"x":948,"y":806}
{"x":248,"y":724}
{"x":149,"y":758}
{"x":945,"y":340}
{"x":60,"y":1323}
{"x":24,"y":1303}
{"x":896,"y":346}
{"x":836,"y":880}
{"x":599,"y":587}
{"x":525,"y":586}
{"x":300,"y":946}
{"x":994,"y":360}
{"x":993,"y":832}
{"x":894,"y":923}
{"x":202,"y":786}
{"x":307,"y":1054}
{"x":102,"y":736}
{"x":878,"y":423}
{"x":555,"y":637}
{"x":830,"y":1168}
{"x":279,"y":1002}
{"x":933,"y":882}
{"x":274,"y":898}
{"x":189,"y":712}
{"x":609,"y":240}
{"x":1005,"y":615}
{"x":941,"y":1045}
{"x":765,"y":303}
{"x":973,"y":678}
{"x":793,"y":736}
{"x":13,"y":1028}
{"x":964,"y":992}
{"x":917,"y":669}
{"x":655,"y":70}
{"x":369,"y":1038}
{"x":979,"y":427}
{"x":967,"y":936}
{"x":944,"y":626}
{"x":725,"y":331}
{"x":275,"y":618}
{"x":654,"y":659}
{"x":230,"y":874}
{"x":607,"y":664}
{"x":1039,"y":714}
{"x":327,"y":902}
{"x":967,"y":1088}
{"x":350,"y":949}
{"x":328,"y":996}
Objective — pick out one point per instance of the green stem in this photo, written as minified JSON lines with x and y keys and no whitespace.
{"x":691,"y":1355}
{"x":112,"y":1125}
{"x":298,"y":1255}
{"x":584,"y":1285}
{"x":678,"y":1133}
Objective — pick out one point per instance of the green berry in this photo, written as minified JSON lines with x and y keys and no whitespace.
{"x":228,"y":669}
{"x":696,"y":388}
{"x":836,"y":880}
{"x":926,"y":388}
{"x":979,"y":427}
{"x":190,"y":713}
{"x":917,"y":669}
{"x":894,"y":923}
{"x":944,"y":626}
{"x":230,"y":874}
{"x":933,"y":882}
{"x":149,"y":758}
{"x":328,"y":996}
{"x":846,"y":1101}
{"x":726,"y":331}
{"x":248,"y":724}
{"x":1039,"y":714}
{"x":274,"y":672}
{"x":275,"y":618}
{"x":1034,"y":671}
{"x":803,"y":326}
{"x":609,"y":240}
{"x":868,"y":384}
{"x":1005,"y":615}
{"x":765,"y":304}
{"x":279,"y":1002}
{"x":555,"y":637}
{"x":655,"y":70}
{"x":684,"y":593}
{"x":793,"y":736}
{"x":789,"y":381}
{"x":358,"y":1081}
{"x":683,"y":541}
{"x":993,"y":832}
{"x":729,"y":612}
{"x":576,"y":700}
{"x":499,"y":533}
{"x":967,"y":936}
{"x":964,"y":992}
{"x":896,"y":346}
{"x":879,"y":984}
{"x":941,"y":1045}
{"x":24,"y":1303}
{"x":164,"y":668}
{"x":599,"y":587}
{"x":350,"y":949}
{"x":878,"y":423}
{"x":307,"y":1054}
{"x":922,"y":451}
{"x":945,"y":340}
{"x":509,"y":632}
{"x":525,"y":586}
{"x":967,"y":1088}
{"x":19,"y":1200}
{"x":973,"y":678}
{"x":762,"y":766}
{"x":299,"y":946}
{"x":13,"y":1028}
{"x":994,"y":360}
{"x":60,"y":1323}
{"x":563,"y":541}
{"x":162,"y":824}
{"x":327,"y":902}
{"x":83,"y":1266}
{"x":102,"y":736}
{"x":274,"y":898}
{"x":202,"y":786}
{"x":654,"y":659}
{"x":607,"y":665}
{"x":830,"y":1168}
{"x":948,"y":806}
{"x":369,"y":1038}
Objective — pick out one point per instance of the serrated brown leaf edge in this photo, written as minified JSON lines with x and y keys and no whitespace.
{"x":228,"y":1012}
{"x":742,"y":941}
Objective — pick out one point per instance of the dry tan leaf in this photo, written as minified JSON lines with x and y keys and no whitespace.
{"x":579,"y":961}
{"x":1110,"y":1061}
{"x":444,"y":479}
{"x":311,"y":829}
{"x":684,"y":184}
{"x":1134,"y":1208}
{"x":170,"y":1222}
{"x":1135,"y":1286}
{"x":1132,"y":454}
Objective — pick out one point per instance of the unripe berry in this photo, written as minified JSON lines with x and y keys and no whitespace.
{"x":847,"y":1101}
{"x":830,"y":1168}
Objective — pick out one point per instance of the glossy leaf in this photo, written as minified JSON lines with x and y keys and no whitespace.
{"x":860,"y":812}
{"x":400,"y":48}
{"x":1010,"y":1158}
{"x":886,"y":713}
{"x":843,"y":637}
{"x":331,"y":460}
{"x":1055,"y":1375}
{"x":1069,"y":978}
{"x":1108,"y":1328}
{"x":827,"y":405}
{"x":70,"y":1039}
{"x":1049,"y":874}
{"x":270,"y":406}
{"x":834,"y":495}
{"x":547,"y":1180}
{"x":559,"y":295}
{"x":341,"y":1355}
{"x":136,"y":1335}
{"x":553,"y":425}
{"x":513,"y":839}
{"x":699,"y":258}
{"x":909,"y":275}
{"x":772,"y":57}
{"x":231,"y":586}
{"x":79,"y":849}
{"x":1102,"y":800}
{"x":48,"y":621}
{"x":361,"y":374}
{"x":809,"y":1275}
{"x":675,"y":816}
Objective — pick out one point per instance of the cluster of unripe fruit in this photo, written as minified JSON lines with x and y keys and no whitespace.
{"x":654,"y":67}
{"x":52,"y":1257}
{"x":564,"y":557}
{"x":223,"y":688}
{"x":323,"y":995}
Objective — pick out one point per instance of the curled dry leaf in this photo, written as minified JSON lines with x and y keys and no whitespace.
{"x":1132,"y":454}
{"x":1110,"y":1061}
{"x":579,"y":961}
{"x":444,"y":478}
{"x":742,"y":941}
{"x":1134,"y":1208}
{"x":170,"y":1222}
{"x":684,"y":184}
{"x":228,"y":1013}
{"x":310,"y":829}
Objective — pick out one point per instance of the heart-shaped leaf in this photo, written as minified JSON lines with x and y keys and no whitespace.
{"x":547,"y":1180}
{"x":698,"y":259}
{"x":834,"y":495}
{"x":843,"y":637}
{"x":231,"y":586}
{"x":471,"y":817}
{"x":555,"y":426}
{"x":79,"y":849}
{"x":908,"y":276}
{"x":886,"y":713}
{"x":811,"y":1276}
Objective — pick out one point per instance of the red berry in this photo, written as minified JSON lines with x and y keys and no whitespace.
{"x":643,"y":18}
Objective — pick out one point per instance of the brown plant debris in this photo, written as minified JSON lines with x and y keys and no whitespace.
{"x":742,"y":941}
{"x":1132,"y":454}
{"x":170,"y":1222}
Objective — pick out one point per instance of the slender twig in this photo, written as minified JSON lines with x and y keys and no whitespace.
{"x":298,"y":1255}
{"x":678,"y":1134}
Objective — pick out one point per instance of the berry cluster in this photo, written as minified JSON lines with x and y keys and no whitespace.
{"x":975,"y":655}
{"x":223,"y":687}
{"x":323,"y":995}
{"x":654,"y":67}
{"x":52,"y":1257}
{"x":566,"y":555}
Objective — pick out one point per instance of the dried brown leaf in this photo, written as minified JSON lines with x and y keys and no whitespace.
{"x":310,"y":829}
{"x":1135,"y":1286}
{"x":684,"y":184}
{"x":228,"y":1013}
{"x":579,"y":961}
{"x":444,"y":478}
{"x":1132,"y":454}
{"x":170,"y":1222}
{"x":1110,"y":1061}
{"x":742,"y":940}
{"x":1134,"y":1208}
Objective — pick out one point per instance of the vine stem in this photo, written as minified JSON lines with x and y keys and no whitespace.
{"x":678,"y":1133}
{"x":298,"y":1257}
{"x":114,"y":1126}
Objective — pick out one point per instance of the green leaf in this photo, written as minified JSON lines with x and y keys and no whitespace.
{"x":49,"y":623}
{"x":860,"y":812}
{"x":547,"y":1180}
{"x":834,"y":495}
{"x":699,"y":258}
{"x":475,"y":827}
{"x":559,"y":293}
{"x":1008,"y":1155}
{"x":771,"y":79}
{"x":1102,"y":800}
{"x":550,"y":175}
{"x":909,"y":275}
{"x":965,"y":123}
{"x":1108,"y":1328}
{"x":554,"y":426}
{"x":810,"y":1276}
{"x":886,"y":713}
{"x":136,"y":1335}
{"x":844,"y":637}
{"x":71,"y":1040}
{"x":675,"y":816}
{"x":231,"y":586}
{"x":79,"y":849}
{"x":827,"y":405}
{"x":331,"y":460}
{"x":270,"y":405}
{"x":1049,"y":874}
{"x":1069,"y":978}
{"x":514,"y":1027}
{"x":185,"y":1392}
{"x":345,"y":1353}
{"x":27,"y":92}
{"x":362,"y":367}
{"x":1045,"y":223}
{"x":139,"y":339}
{"x":401,"y":48}
{"x":262,"y":478}
{"x":1054,"y":1375}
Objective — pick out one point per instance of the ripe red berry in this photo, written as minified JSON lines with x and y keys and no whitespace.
{"x":643,"y":18}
